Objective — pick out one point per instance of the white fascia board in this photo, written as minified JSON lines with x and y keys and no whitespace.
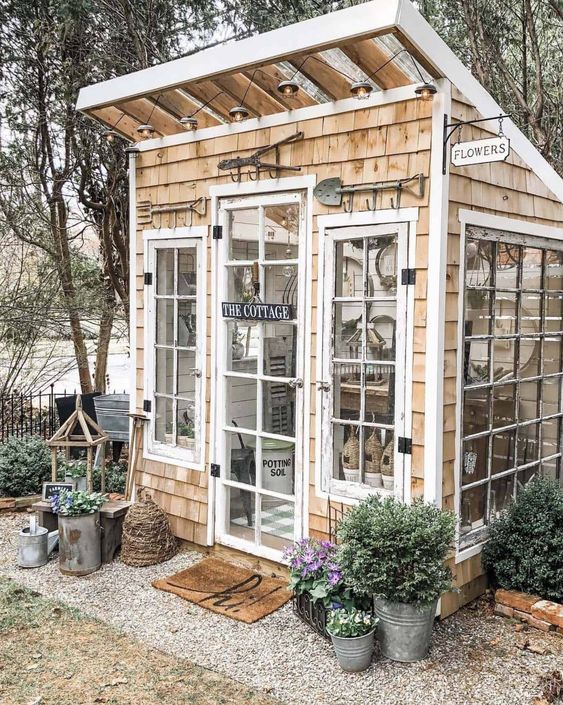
{"x":429,"y":43}
{"x":310,"y":35}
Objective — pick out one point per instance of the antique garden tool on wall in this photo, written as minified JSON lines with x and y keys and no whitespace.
{"x":330,"y":192}
{"x":147,"y":212}
{"x":254,"y":161}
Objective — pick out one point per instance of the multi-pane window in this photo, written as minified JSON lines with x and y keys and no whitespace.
{"x":364,"y":356}
{"x":512,"y":368}
{"x":176,"y":348}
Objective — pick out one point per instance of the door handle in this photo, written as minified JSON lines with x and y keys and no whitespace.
{"x":296,"y":383}
{"x":323,"y":386}
{"x":195,"y":372}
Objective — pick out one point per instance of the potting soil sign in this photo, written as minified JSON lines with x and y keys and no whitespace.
{"x":50,"y":489}
{"x":257,"y":311}
{"x":493,"y":149}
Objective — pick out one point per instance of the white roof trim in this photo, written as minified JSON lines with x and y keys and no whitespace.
{"x":310,"y":35}
{"x":429,"y":43}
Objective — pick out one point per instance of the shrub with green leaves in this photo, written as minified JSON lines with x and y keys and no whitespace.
{"x":525,"y":547}
{"x":115,"y":477}
{"x":25,"y":463}
{"x":396,"y":551}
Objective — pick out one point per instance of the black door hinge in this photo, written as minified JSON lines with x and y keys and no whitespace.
{"x":404,"y":445}
{"x":148,"y":278}
{"x":147,"y":405}
{"x":217,"y":232}
{"x":215,"y":470}
{"x":408,"y":276}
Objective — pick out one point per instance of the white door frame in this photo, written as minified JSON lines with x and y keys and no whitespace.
{"x":261,"y":192}
{"x":405,"y":219}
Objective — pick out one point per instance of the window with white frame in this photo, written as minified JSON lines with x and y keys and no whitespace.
{"x":512,"y":372}
{"x":362,"y":356}
{"x":175,"y":348}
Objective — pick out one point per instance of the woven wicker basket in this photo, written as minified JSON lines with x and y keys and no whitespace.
{"x":373,"y":450}
{"x":351,"y":452}
{"x":147,"y":538}
{"x":388,"y":459}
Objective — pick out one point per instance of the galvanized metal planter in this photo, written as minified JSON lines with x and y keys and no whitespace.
{"x":312,"y":613}
{"x":79,"y":544}
{"x":112,"y":412}
{"x":354,"y":654}
{"x":404,"y":631}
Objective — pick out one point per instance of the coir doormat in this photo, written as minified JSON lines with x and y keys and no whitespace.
{"x":228,"y":589}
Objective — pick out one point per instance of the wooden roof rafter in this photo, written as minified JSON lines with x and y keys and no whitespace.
{"x":319,"y":71}
{"x":221,"y":100}
{"x":149,"y":111}
{"x":250,"y":94}
{"x":269,"y":77}
{"x":179,"y":104}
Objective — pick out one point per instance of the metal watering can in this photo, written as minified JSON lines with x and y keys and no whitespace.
{"x":36,"y":545}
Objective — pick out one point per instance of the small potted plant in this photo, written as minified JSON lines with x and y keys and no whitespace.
{"x":186,"y":434}
{"x":317,"y":583}
{"x":396,"y":552}
{"x":79,"y":531}
{"x":75,"y":472}
{"x":353,"y":636}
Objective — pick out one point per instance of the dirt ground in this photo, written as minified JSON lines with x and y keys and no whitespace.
{"x":50,"y":654}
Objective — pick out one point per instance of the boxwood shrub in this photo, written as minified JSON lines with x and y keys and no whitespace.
{"x":525,"y":547}
{"x":396,"y":551}
{"x":25,"y":463}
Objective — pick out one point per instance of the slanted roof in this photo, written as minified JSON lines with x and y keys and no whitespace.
{"x":325,"y":55}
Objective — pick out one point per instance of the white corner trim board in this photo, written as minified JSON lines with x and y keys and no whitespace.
{"x":435,"y":303}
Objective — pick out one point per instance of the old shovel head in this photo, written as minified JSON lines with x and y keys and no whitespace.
{"x":328,"y":192}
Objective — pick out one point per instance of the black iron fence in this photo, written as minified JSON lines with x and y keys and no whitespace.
{"x":29,"y":414}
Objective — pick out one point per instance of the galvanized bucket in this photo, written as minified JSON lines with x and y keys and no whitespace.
{"x":112,"y":411}
{"x":354,"y":653}
{"x":79,"y":544}
{"x":404,"y":630}
{"x":34,"y":549}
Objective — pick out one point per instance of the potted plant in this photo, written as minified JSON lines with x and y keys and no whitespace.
{"x":186,"y":434}
{"x":75,"y":472}
{"x":317,"y":583}
{"x":353,"y":636}
{"x":79,"y":531}
{"x":395,"y":552}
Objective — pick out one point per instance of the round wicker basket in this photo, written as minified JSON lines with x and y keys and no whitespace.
{"x":147,"y":538}
{"x":388,"y":459}
{"x":373,"y":450}
{"x":351,"y":452}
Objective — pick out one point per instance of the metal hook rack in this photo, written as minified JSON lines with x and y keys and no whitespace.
{"x":330,"y":192}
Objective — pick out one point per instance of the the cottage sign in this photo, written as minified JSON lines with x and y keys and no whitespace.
{"x":257,"y":311}
{"x":493,"y":149}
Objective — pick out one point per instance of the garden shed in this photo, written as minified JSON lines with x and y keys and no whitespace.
{"x":348,"y":275}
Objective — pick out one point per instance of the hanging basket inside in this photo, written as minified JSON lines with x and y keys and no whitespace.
{"x":147,"y":538}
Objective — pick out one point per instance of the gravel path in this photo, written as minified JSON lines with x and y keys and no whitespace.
{"x":474,"y":658}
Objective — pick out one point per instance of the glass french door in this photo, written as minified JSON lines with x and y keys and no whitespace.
{"x":259,"y":383}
